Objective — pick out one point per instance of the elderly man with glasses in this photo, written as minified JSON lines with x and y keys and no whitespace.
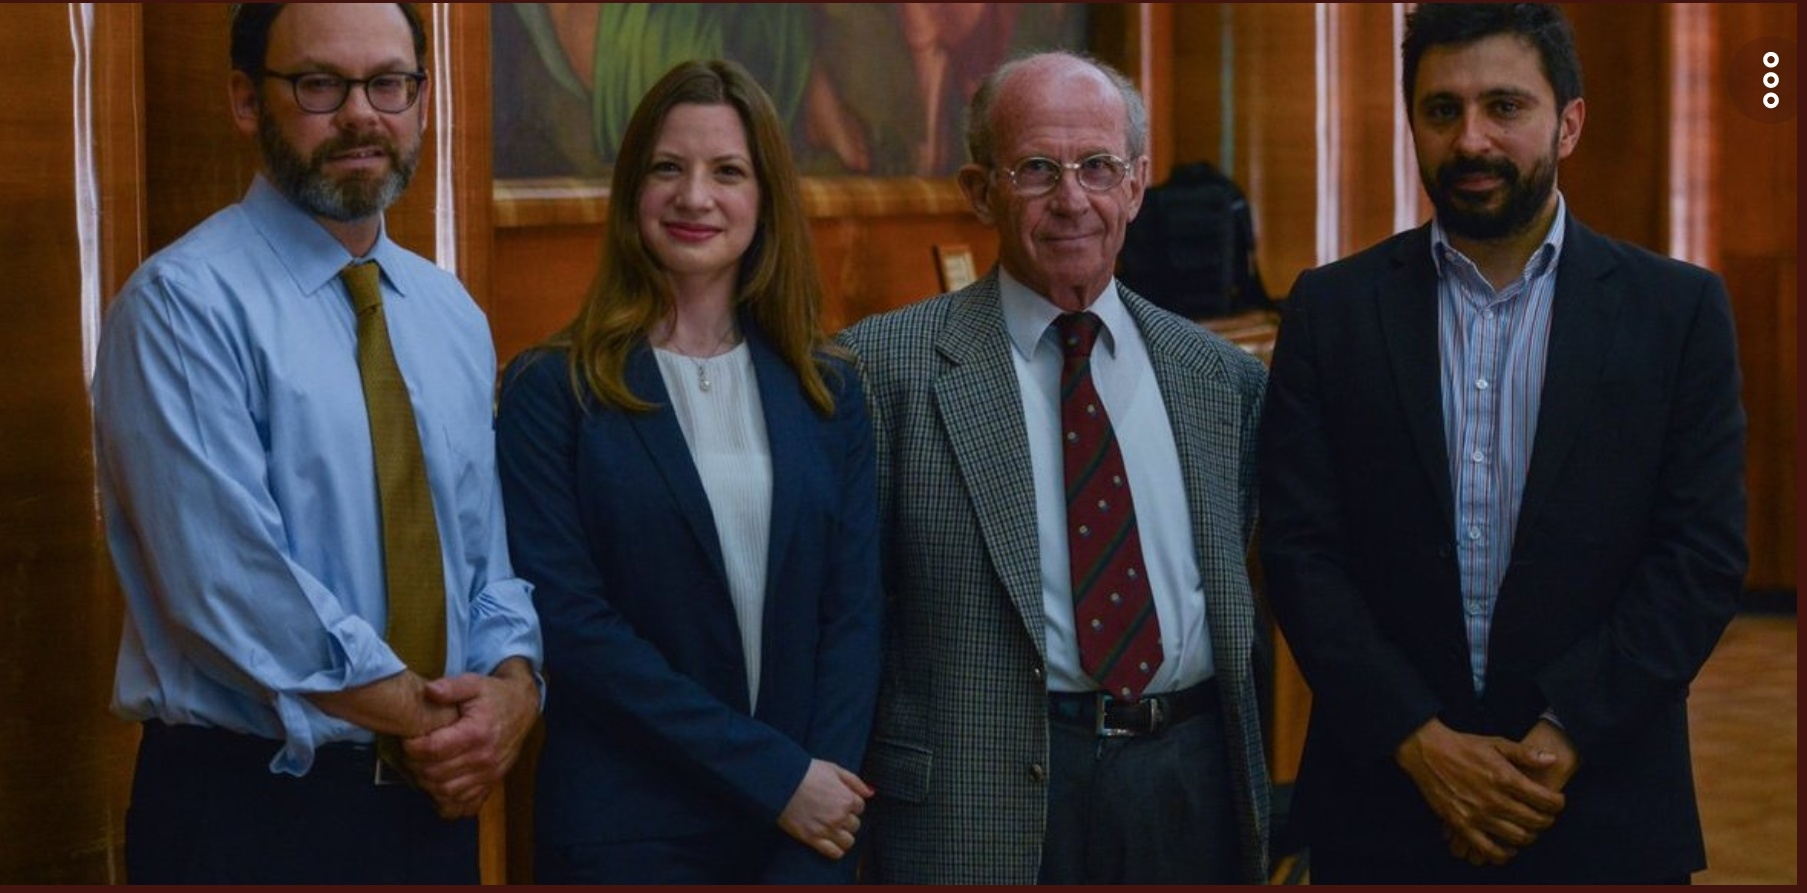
{"x":1067,"y":485}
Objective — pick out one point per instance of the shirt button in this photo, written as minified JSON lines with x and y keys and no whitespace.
{"x":1478,"y":456}
{"x":1037,"y":773}
{"x":1481,"y":384}
{"x":1474,"y":533}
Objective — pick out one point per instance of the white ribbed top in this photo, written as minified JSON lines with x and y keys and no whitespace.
{"x":725,"y":428}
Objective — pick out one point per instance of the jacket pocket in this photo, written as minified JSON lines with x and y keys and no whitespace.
{"x":899,"y":770}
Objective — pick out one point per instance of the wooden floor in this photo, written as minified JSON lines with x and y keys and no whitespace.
{"x":1742,"y":713}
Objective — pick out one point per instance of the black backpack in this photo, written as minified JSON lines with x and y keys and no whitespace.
{"x":1191,"y":249}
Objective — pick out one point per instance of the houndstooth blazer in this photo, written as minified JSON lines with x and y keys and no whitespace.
{"x":960,"y":747}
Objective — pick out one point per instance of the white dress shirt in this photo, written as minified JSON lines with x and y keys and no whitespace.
{"x":1125,"y":380}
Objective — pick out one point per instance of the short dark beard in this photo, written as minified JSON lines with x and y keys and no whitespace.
{"x":304,"y":181}
{"x":1526,"y":196}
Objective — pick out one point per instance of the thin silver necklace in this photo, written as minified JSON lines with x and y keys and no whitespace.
{"x":702,"y":365}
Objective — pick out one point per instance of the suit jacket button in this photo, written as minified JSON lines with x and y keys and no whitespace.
{"x":1036,"y":672}
{"x":1037,"y":773}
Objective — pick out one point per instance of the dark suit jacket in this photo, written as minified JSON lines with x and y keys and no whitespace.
{"x":648,"y":734}
{"x":1626,"y":564}
{"x":961,"y":744}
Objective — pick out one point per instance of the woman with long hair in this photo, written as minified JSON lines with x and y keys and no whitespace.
{"x":689,"y":481}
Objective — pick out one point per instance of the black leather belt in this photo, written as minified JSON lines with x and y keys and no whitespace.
{"x":222,"y":749}
{"x":1111,"y":718}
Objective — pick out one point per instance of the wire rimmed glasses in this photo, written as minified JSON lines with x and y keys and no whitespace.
{"x":1039,"y":175}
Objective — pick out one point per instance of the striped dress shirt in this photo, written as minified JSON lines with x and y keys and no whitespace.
{"x":1493,"y":344}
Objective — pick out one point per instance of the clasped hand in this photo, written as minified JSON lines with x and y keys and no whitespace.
{"x":824,"y":811}
{"x":1493,"y":795}
{"x":461,"y":762}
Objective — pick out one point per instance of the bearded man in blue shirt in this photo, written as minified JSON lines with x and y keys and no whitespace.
{"x":239,"y":482}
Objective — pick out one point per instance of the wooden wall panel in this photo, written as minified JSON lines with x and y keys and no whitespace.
{"x":1362,"y":124}
{"x":1615,"y":178}
{"x":1755,"y":207}
{"x":63,"y":760}
{"x":1197,"y":122}
{"x":1275,"y":133}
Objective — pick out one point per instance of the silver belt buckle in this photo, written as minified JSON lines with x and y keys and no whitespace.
{"x":1157,"y":715}
{"x":1101,"y":700}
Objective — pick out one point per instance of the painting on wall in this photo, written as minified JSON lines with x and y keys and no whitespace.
{"x":868,"y":89}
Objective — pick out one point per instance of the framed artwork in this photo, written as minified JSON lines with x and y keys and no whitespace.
{"x":954,"y":266}
{"x":874,"y":93}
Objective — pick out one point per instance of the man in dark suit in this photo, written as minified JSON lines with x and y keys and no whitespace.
{"x":1005,"y":750}
{"x":1502,"y":501}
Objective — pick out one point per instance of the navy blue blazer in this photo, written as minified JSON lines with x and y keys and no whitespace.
{"x":648,"y":733}
{"x":1627,"y":559}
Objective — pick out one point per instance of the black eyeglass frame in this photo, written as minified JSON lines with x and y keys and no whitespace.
{"x":416,"y":78}
{"x":1115,"y":162}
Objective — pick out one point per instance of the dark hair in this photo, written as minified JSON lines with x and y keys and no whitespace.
{"x":1542,"y":24}
{"x":251,"y":23}
{"x":779,"y":284}
{"x":981,"y":141}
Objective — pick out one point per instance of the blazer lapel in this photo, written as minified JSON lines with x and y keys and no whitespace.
{"x":1584,"y":305}
{"x":981,"y":409}
{"x":1204,"y":410}
{"x":1407,"y":306}
{"x":664,"y":442}
{"x":789,"y":423}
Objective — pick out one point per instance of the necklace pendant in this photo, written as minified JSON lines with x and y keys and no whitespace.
{"x":702,"y":379}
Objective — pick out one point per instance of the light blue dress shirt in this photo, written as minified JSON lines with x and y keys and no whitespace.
{"x":1124,"y":376}
{"x":238,"y":485}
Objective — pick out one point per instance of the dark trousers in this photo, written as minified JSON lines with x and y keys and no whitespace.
{"x":716,"y":858}
{"x":1345,"y":865}
{"x":207,"y":809}
{"x":1149,"y":809}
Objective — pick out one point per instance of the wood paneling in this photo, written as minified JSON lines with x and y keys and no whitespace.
{"x":1754,"y":207}
{"x":1362,"y":124}
{"x":1615,"y":178}
{"x":63,"y":760}
{"x":1275,"y":133}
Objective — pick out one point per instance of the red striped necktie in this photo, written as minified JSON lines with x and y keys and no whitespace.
{"x":1113,"y":606}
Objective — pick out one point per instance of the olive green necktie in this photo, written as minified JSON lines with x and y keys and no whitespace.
{"x":411,"y":556}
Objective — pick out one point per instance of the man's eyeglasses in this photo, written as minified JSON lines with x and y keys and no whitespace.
{"x":321,"y":93}
{"x":1036,"y":175}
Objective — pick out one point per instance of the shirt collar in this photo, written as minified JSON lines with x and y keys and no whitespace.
{"x":311,"y":255}
{"x":1541,"y":262}
{"x":1028,"y":315}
